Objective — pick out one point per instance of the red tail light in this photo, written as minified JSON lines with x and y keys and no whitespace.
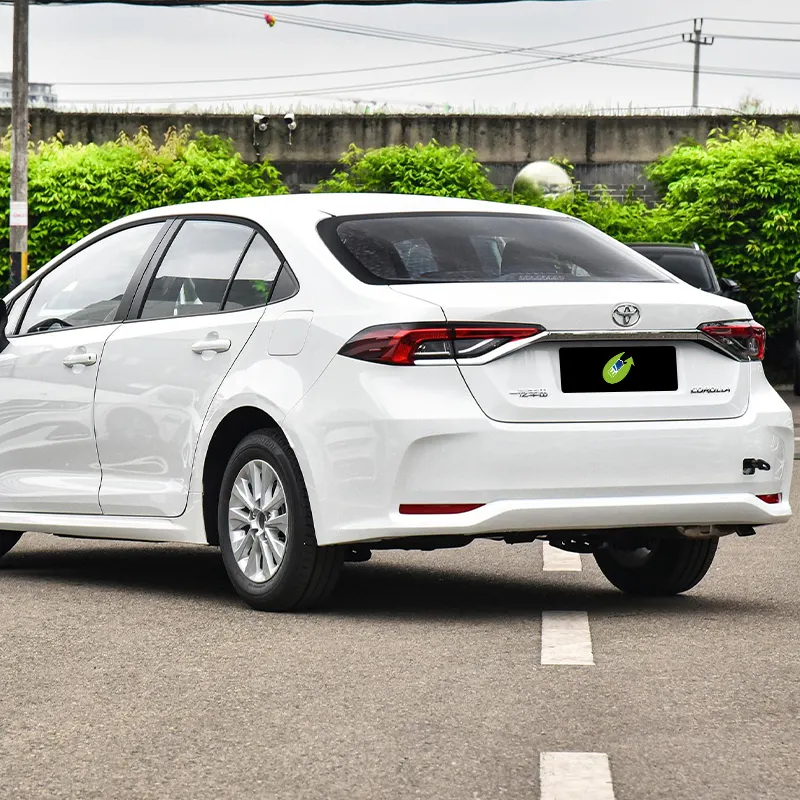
{"x":745,"y":340}
{"x":412,"y":343}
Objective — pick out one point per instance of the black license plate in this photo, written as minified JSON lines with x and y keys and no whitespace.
{"x":618,"y":369}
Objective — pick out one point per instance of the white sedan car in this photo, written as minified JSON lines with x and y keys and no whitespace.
{"x":302,"y":380}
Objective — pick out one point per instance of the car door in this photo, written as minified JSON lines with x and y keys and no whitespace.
{"x":162,"y":368}
{"x":48,"y":454}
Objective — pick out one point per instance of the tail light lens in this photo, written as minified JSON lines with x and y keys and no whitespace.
{"x":745,"y":340}
{"x":412,"y":343}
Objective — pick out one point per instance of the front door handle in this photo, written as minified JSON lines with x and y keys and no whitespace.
{"x":80,"y":359}
{"x":211,"y":346}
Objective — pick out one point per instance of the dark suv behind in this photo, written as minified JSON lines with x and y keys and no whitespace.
{"x":689,"y":263}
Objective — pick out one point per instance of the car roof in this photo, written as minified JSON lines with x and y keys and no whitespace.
{"x":338,"y":204}
{"x":694,"y":247}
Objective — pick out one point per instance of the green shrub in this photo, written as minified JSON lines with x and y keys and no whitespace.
{"x":431,"y":169}
{"x":75,"y":189}
{"x":738,"y":196}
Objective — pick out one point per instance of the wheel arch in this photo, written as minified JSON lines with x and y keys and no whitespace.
{"x":232,"y":428}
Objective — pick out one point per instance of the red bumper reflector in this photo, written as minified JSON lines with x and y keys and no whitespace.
{"x":438,"y":508}
{"x":770,"y":498}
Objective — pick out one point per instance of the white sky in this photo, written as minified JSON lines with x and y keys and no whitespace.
{"x":124,"y":44}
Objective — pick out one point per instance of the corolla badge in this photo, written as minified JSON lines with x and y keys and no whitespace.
{"x":625,"y":315}
{"x":616,"y":368}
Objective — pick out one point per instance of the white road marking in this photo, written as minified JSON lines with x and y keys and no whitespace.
{"x":556,"y":560}
{"x":566,"y":638}
{"x":575,"y":776}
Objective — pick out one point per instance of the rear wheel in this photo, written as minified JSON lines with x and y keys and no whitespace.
{"x":266,"y":532}
{"x":662,"y":567}
{"x":7,"y":540}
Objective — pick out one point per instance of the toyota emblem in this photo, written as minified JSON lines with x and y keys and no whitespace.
{"x":626,"y":314}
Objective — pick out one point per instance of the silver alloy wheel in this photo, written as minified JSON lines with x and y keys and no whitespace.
{"x":258,"y":521}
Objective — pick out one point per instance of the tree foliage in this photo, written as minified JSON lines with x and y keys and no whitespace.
{"x":431,"y":169}
{"x":75,"y":189}
{"x":738,"y":196}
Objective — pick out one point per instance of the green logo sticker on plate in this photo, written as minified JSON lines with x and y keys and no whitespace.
{"x":616,"y":368}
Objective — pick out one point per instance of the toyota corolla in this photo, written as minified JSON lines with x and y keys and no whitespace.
{"x":303,"y":380}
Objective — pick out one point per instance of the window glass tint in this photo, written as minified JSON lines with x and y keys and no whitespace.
{"x":195,"y":271}
{"x":285,"y":287}
{"x":689,"y":267}
{"x":88,"y":287}
{"x":417,"y":257}
{"x":15,"y":312}
{"x":481,"y":248}
{"x":254,"y":278}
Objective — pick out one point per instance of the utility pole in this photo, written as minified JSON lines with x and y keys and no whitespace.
{"x":698,"y":40}
{"x":19,"y":146}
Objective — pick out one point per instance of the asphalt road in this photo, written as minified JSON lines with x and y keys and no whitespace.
{"x":133,"y":671}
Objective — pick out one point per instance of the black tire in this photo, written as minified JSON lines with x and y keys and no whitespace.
{"x":670,"y":567}
{"x":307,"y":573}
{"x":7,"y":540}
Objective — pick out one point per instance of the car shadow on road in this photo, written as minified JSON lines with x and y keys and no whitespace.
{"x":417,"y":592}
{"x":188,"y":571}
{"x":428,"y":594}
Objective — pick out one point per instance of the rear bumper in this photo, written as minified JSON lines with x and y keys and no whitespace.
{"x":371,"y":437}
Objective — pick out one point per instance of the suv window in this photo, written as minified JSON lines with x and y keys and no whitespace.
{"x":480,"y":248}
{"x":688,"y":265}
{"x":194,"y":273}
{"x":252,"y":284}
{"x":87,"y":288}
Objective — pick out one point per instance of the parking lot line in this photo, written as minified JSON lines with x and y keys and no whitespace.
{"x":555,"y":560}
{"x":566,"y":638}
{"x":575,"y":776}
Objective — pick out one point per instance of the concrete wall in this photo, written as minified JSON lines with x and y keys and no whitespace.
{"x":610,"y":150}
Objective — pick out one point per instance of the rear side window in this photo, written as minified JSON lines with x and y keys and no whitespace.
{"x":252,"y":284}
{"x":195,"y":272}
{"x":480,"y":248}
{"x":689,"y":267}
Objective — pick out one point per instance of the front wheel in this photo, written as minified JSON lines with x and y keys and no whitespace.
{"x":266,"y":532}
{"x":662,"y":567}
{"x":7,"y":540}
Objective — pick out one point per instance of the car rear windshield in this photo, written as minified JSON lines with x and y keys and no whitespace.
{"x":689,"y":266}
{"x":480,"y":248}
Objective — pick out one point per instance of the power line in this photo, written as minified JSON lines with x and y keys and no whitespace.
{"x":423,"y":80}
{"x":755,"y":38}
{"x":425,"y":63}
{"x":417,"y":38}
{"x":753,"y":21}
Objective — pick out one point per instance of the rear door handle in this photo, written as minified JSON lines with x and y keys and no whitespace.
{"x":211,"y":346}
{"x":80,"y":359}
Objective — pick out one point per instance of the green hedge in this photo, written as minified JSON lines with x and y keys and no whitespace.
{"x":75,"y":189}
{"x":738,"y":196}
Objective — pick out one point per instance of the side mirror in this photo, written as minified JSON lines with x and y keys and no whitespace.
{"x":797,"y":277}
{"x":730,"y":286}
{"x":3,"y":323}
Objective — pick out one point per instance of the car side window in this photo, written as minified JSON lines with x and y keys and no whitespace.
{"x":194,"y":273}
{"x":252,"y":284}
{"x":88,"y":287}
